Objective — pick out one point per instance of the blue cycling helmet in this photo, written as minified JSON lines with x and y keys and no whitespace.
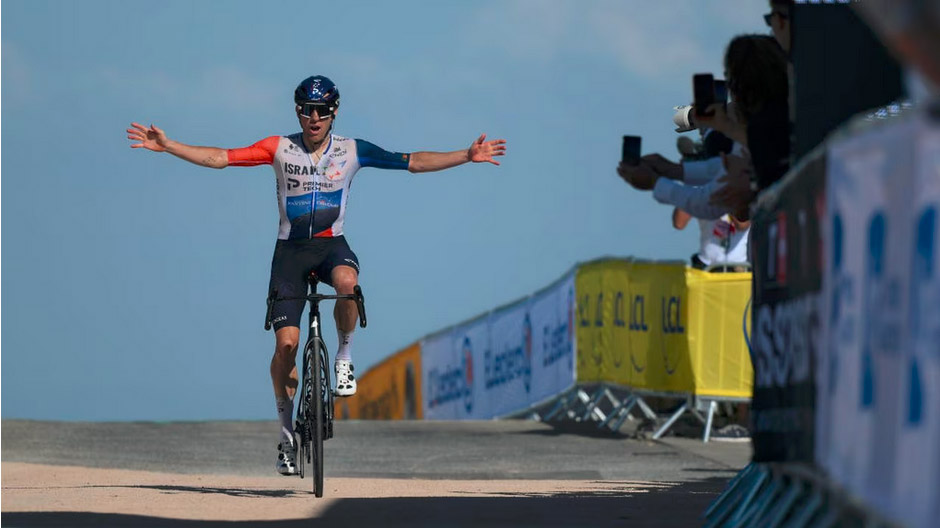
{"x":317,"y":89}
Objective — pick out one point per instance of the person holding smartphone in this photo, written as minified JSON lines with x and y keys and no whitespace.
{"x":756,"y":74}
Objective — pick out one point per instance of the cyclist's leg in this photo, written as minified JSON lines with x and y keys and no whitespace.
{"x":342,"y":267}
{"x":345,"y":279}
{"x":288,"y":279}
{"x":346,"y":313}
{"x":284,"y":378}
{"x":284,"y":364}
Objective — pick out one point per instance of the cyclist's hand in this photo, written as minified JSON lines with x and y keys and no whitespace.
{"x":151,"y":138}
{"x":482,"y":150}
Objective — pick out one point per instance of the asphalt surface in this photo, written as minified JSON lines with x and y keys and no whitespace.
{"x":509,"y":449}
{"x":418,"y":473}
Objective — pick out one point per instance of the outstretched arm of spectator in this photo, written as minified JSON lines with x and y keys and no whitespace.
{"x":651,"y":167}
{"x":154,"y":138}
{"x":479,"y":151}
{"x":692,"y":199}
{"x":702,"y":171}
{"x":664,"y":167}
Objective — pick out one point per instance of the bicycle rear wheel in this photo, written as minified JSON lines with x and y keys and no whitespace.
{"x":316,"y":424}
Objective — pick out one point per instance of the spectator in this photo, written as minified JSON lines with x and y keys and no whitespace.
{"x":721,"y":241}
{"x":756,"y":72}
{"x":757,"y":77}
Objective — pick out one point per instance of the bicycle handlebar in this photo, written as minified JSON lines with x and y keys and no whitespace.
{"x":316,"y":298}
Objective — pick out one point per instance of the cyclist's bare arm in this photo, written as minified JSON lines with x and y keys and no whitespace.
{"x":479,"y":151}
{"x":153,"y":138}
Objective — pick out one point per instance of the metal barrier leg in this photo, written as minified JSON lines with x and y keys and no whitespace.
{"x":784,"y":505}
{"x":620,"y":409}
{"x":583,"y":397}
{"x":712,"y":406}
{"x":672,"y":419}
{"x":623,"y":415}
{"x":807,"y":510}
{"x":761,"y":504}
{"x":645,"y":408}
{"x":736,"y":491}
{"x":730,"y":489}
{"x":591,"y":408}
{"x":610,"y":397}
{"x":761,"y":478}
{"x":561,"y":404}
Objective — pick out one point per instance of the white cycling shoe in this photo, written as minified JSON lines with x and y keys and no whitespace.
{"x":286,"y":458}
{"x":345,"y":380}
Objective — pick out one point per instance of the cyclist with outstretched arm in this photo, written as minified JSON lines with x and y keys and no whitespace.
{"x":314,"y":169}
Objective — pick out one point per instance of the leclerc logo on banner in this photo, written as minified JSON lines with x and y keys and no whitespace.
{"x":557,"y":343}
{"x":454,"y":382}
{"x":523,"y":353}
{"x":509,"y":364}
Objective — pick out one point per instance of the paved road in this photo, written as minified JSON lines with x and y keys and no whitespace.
{"x":494,"y":473}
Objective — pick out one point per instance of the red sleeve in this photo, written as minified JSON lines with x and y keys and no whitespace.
{"x":261,"y":153}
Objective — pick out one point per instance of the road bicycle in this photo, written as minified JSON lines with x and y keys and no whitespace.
{"x":314,"y":422}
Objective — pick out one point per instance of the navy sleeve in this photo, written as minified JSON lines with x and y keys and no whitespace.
{"x":372,"y":156}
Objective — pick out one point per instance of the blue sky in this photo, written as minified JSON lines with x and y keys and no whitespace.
{"x":133,"y":283}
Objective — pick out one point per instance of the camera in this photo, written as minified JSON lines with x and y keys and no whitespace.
{"x":683,"y":119}
{"x":707,"y":90}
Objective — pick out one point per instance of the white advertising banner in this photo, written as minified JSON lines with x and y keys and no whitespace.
{"x":917,"y":490}
{"x":854,"y":228}
{"x":502,"y":362}
{"x":879,"y":382}
{"x":450,"y":364}
{"x":553,"y":325}
{"x":885,"y":301}
{"x":507,"y":367}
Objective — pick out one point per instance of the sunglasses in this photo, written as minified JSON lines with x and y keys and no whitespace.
{"x":769,"y":17}
{"x":323,"y":110}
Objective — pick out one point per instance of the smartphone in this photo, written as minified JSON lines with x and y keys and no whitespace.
{"x":630,"y":155}
{"x":703,"y":88}
{"x":721,"y":91}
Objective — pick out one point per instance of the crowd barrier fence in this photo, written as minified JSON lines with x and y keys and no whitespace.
{"x":846,"y":344}
{"x":594,"y":343}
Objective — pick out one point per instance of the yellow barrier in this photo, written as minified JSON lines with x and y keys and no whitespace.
{"x":390,"y":390}
{"x":720,"y":359}
{"x":662,"y":327}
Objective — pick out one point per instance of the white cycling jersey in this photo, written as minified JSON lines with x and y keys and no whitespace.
{"x":312,"y":195}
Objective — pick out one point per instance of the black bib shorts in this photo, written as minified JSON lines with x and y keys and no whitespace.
{"x":293,"y":262}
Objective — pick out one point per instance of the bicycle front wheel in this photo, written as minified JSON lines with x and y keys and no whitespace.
{"x":316,"y":423}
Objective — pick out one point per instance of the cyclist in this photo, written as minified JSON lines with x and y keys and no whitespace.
{"x":313,"y":169}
